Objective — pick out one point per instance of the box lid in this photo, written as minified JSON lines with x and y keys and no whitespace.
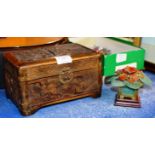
{"x":28,"y":56}
{"x":37,"y":63}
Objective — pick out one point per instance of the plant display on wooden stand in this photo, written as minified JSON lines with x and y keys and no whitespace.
{"x":128,"y":81}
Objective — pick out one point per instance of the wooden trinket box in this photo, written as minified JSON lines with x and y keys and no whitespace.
{"x":42,"y":76}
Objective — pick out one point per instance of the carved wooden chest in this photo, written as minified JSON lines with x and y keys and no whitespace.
{"x":43,"y":76}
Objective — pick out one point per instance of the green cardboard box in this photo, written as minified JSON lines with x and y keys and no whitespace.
{"x":119,"y":54}
{"x":133,"y":58}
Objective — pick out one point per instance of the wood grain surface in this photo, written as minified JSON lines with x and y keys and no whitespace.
{"x":32,"y":85}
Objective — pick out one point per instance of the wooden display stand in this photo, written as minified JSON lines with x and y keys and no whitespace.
{"x":126,"y":100}
{"x":127,"y":103}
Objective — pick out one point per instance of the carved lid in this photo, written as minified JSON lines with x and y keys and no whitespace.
{"x":45,"y":53}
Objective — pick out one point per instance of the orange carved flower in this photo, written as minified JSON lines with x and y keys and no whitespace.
{"x":122,"y":76}
{"x":133,"y":78}
{"x":129,"y":69}
{"x":131,"y":74}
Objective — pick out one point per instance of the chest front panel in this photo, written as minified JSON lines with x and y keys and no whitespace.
{"x":64,"y":85}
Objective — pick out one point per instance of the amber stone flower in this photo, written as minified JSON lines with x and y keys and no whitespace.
{"x":129,"y":69}
{"x":133,"y":78}
{"x":130,"y":74}
{"x":130,"y":77}
{"x":122,"y":76}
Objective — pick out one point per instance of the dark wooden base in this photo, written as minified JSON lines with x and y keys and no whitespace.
{"x":127,"y":102}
